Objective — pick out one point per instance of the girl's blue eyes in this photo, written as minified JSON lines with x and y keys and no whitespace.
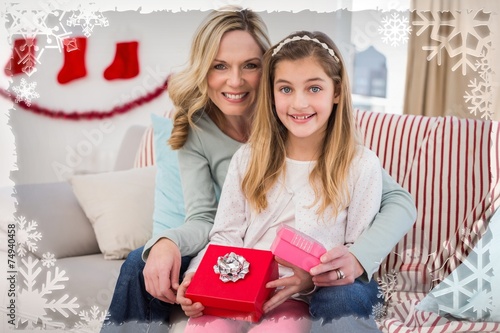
{"x":288,"y":90}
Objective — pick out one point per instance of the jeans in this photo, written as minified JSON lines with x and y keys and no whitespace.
{"x":345,"y":305}
{"x":348,"y":324}
{"x":131,"y":302}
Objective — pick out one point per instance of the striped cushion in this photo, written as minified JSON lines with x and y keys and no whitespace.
{"x":451,"y":168}
{"x":145,"y":155}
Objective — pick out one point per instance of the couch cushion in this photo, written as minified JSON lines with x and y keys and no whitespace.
{"x":55,"y":210}
{"x":119,"y":205}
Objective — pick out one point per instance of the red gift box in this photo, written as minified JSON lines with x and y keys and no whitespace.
{"x":242,"y":299}
{"x":297,"y":248}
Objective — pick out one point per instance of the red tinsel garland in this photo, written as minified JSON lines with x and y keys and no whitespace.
{"x":88,"y":115}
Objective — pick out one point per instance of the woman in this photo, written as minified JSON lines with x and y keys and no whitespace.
{"x":214,"y":99}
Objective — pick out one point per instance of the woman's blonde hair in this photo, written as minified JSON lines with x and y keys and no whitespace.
{"x":188,"y":89}
{"x":268,"y":137}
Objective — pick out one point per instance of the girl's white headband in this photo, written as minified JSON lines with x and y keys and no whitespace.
{"x":305,"y":37}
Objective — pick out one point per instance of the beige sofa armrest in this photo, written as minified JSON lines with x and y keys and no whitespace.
{"x":52,"y":210}
{"x":128,"y":148}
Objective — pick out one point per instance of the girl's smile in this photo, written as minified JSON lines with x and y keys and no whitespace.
{"x":302,"y":117}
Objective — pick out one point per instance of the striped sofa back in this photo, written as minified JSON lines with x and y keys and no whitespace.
{"x":451,"y":167}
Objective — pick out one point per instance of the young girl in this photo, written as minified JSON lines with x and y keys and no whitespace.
{"x":304,"y":167}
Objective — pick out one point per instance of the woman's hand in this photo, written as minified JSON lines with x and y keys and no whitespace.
{"x":300,"y":281}
{"x":335,"y":264}
{"x":190,"y":309}
{"x":161,"y":273}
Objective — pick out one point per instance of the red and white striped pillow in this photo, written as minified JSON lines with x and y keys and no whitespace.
{"x":145,"y":155}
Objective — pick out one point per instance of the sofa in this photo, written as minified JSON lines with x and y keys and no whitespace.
{"x":70,"y":251}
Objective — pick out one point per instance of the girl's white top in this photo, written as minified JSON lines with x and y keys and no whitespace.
{"x":289,"y":202}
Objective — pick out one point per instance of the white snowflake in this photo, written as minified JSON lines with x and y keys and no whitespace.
{"x":91,"y":321}
{"x":395,"y":29}
{"x":87,"y":17}
{"x":463,"y":34}
{"x":481,"y":95}
{"x":26,"y":236}
{"x":379,"y":311}
{"x":48,"y":260}
{"x":35,"y":296}
{"x":481,"y":303}
{"x":26,"y":54}
{"x":34,"y":303}
{"x":25,"y":21}
{"x":25,"y":92}
{"x":387,"y":286}
{"x":467,"y":290}
{"x":484,"y":68}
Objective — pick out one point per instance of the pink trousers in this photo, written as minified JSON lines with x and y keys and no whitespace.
{"x":291,"y":316}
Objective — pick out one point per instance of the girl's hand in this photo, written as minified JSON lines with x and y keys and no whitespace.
{"x":333,"y":263}
{"x":300,"y":281}
{"x":190,"y":309}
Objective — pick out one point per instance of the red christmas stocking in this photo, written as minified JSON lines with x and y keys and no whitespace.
{"x":23,"y":57}
{"x":125,"y":65}
{"x":74,"y":60}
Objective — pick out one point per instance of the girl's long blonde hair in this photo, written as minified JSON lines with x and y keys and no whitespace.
{"x":188,"y":89}
{"x":269,"y":135}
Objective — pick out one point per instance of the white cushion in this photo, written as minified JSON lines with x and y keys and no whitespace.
{"x":119,"y":206}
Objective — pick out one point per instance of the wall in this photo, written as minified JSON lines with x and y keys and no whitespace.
{"x":52,"y":149}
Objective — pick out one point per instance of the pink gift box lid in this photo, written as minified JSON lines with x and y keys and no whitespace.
{"x":301,"y":240}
